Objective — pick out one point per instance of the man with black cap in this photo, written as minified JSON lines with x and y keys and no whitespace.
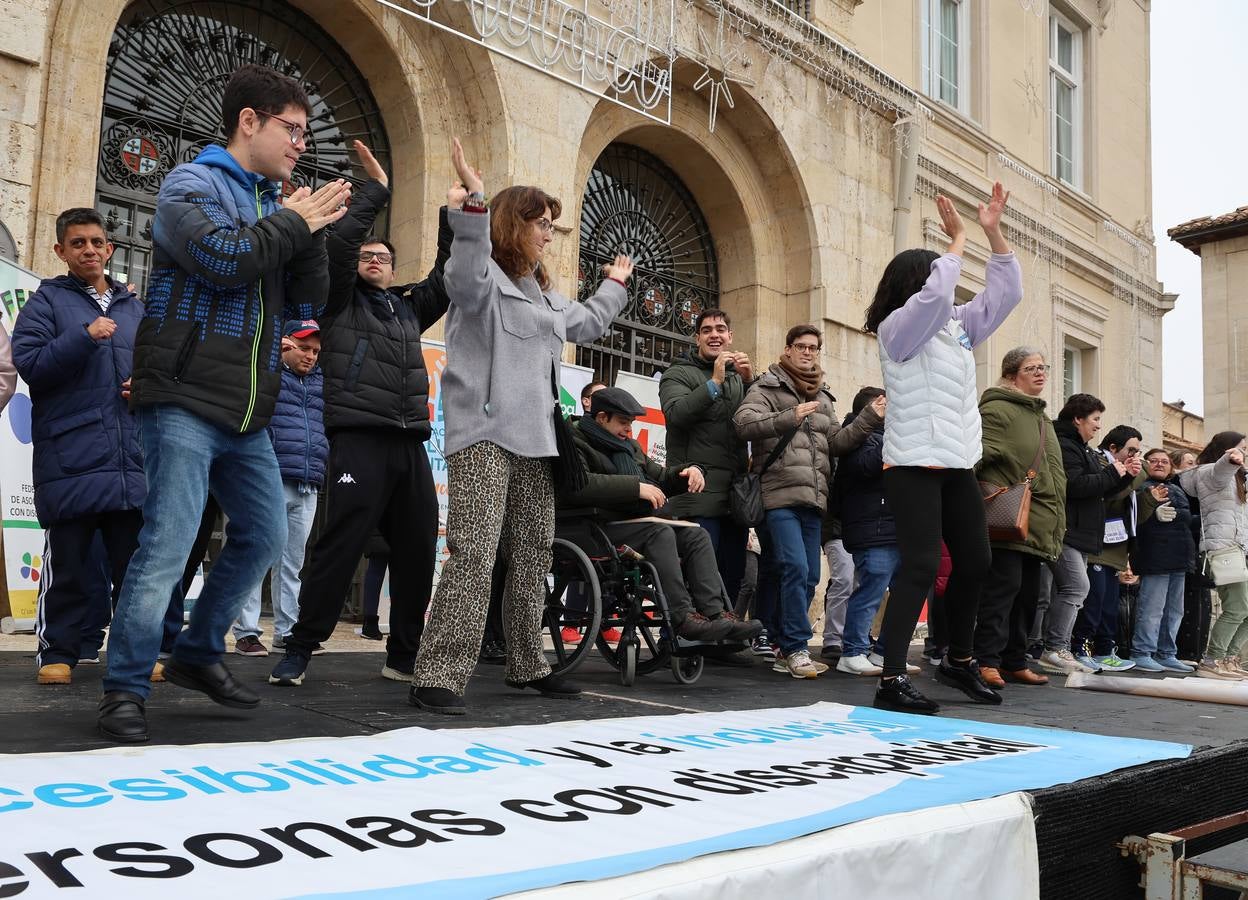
{"x":297,"y":430}
{"x":623,"y":481}
{"x":377,"y":419}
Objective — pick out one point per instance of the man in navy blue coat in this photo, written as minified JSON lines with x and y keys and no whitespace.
{"x":297,"y":430}
{"x":73,"y":344}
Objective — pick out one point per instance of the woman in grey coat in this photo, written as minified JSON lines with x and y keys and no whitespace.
{"x":1218,"y":483}
{"x":505,"y":332}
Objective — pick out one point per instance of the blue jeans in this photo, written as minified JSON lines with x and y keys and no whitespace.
{"x":873,"y":570}
{"x":793,"y":545}
{"x":183,"y":456}
{"x":284,"y":583}
{"x":728,"y":540}
{"x":1158,"y":613}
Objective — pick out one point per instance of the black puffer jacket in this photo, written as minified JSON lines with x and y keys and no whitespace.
{"x":858,"y":495}
{"x":1164,"y":547}
{"x":1089,"y":480}
{"x":374,"y":365}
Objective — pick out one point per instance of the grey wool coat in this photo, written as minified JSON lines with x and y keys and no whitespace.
{"x":503,"y":350}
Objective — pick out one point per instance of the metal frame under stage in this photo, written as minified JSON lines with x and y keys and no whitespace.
{"x":1170,"y":874}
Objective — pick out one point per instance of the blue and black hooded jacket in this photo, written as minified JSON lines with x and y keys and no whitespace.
{"x":229,"y":267}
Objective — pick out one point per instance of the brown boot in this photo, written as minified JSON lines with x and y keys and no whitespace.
{"x":992,"y":677}
{"x":1026,"y":676}
{"x":55,"y":673}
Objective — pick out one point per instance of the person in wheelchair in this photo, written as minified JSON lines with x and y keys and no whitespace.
{"x":624,"y":482}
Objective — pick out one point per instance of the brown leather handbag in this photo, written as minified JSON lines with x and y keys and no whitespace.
{"x":1008,"y":509}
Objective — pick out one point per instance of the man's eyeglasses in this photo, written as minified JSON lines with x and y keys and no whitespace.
{"x":805,"y":348}
{"x":1036,"y":370}
{"x":1132,"y":451}
{"x":297,"y":132}
{"x":369,"y":255}
{"x":545,"y":224}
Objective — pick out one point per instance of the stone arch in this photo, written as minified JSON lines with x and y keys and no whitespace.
{"x":748,"y":186}
{"x":427,"y":84}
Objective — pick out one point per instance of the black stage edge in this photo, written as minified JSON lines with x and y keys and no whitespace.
{"x":1077,"y":825}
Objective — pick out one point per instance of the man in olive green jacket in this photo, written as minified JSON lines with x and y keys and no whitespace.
{"x":699,"y":394}
{"x":622,"y":482}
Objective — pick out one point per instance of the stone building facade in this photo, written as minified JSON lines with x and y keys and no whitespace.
{"x":1221,"y":242}
{"x":800,"y":146}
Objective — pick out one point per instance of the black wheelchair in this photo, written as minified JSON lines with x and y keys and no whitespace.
{"x":594,"y":586}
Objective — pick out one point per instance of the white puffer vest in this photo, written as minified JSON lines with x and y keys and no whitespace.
{"x":933,"y":410}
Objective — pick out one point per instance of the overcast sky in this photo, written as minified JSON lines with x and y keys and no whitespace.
{"x":1200,"y":157}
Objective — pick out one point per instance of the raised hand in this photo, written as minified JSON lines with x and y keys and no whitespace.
{"x":951,"y":224}
{"x":322,"y":207}
{"x":880,"y":404}
{"x":805,"y":409}
{"x":990,"y":214}
{"x":744,"y":368}
{"x":620,"y":270}
{"x":372,"y":168}
{"x":468,"y":176}
{"x":990,"y":218}
{"x":1236,"y":456}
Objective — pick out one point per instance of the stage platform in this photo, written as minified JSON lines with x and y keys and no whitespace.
{"x":1077,"y":824}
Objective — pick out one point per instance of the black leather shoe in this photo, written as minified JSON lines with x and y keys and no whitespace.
{"x":900,"y":695}
{"x":214,"y":680}
{"x":123,"y":718}
{"x":967,"y":678}
{"x":436,"y":700}
{"x":550,"y":686}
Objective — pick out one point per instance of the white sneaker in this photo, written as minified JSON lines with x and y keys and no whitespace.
{"x":800,"y":665}
{"x":1062,"y":662}
{"x":877,"y":660}
{"x":857,"y":665}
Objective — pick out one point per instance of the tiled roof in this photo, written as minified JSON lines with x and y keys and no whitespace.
{"x":1199,"y":231}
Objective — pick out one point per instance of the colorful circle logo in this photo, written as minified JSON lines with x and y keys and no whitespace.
{"x":30,"y":566}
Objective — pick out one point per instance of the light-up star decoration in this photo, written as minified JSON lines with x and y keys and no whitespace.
{"x":719,"y":58}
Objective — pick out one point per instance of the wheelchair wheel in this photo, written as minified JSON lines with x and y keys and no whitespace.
{"x":628,"y":661}
{"x":641,"y":614}
{"x":687,"y":669}
{"x":573,"y":604}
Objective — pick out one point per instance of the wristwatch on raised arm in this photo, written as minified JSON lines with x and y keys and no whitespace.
{"x":474,"y":202}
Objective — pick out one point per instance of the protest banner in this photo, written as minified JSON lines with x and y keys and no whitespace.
{"x":479,"y":812}
{"x":23,"y":538}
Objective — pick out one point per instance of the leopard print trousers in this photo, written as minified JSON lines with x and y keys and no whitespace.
{"x":496,"y":500}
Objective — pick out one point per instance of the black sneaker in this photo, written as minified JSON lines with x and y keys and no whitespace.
{"x":697,"y":627}
{"x":900,"y":695}
{"x":493,"y":652}
{"x":966,"y":677}
{"x":832,"y":653}
{"x":289,"y":672}
{"x":371,"y":629}
{"x":551,"y":685}
{"x":436,"y":700}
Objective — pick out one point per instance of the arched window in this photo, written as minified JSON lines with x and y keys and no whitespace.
{"x":635,"y":204}
{"x":168,"y":63}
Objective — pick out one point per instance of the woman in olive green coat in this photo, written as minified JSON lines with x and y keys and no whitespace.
{"x":1017,"y":433}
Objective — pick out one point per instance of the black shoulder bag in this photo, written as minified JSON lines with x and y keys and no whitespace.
{"x":745,"y":496}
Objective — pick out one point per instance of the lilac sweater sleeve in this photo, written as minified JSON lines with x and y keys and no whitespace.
{"x":907,"y":329}
{"x":1003,"y":289}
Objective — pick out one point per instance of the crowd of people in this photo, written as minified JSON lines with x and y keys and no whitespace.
{"x":273,"y":359}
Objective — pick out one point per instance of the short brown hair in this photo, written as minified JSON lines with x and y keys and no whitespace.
{"x":511,"y":211}
{"x":798,"y":330}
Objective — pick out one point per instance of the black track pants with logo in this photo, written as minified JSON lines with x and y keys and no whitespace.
{"x":377,"y":480}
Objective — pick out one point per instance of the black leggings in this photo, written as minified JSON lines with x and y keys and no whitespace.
{"x":928,"y":505}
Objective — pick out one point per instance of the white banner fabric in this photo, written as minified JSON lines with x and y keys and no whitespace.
{"x":480,"y":812}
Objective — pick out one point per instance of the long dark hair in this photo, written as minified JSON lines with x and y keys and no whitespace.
{"x":902,"y":279}
{"x":1218,"y":445}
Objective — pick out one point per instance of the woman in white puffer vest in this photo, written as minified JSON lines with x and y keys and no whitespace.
{"x":932,"y":442}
